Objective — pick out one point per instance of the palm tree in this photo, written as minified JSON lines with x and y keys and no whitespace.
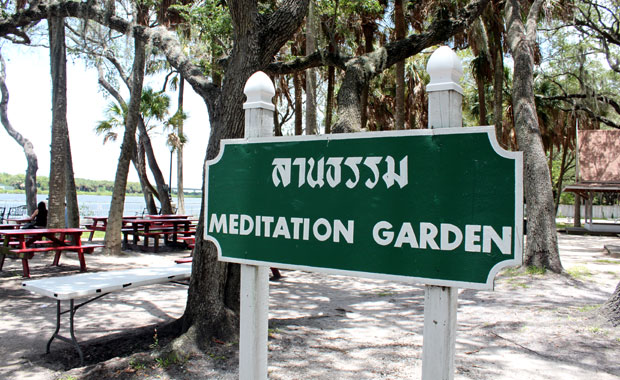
{"x":153,"y":113}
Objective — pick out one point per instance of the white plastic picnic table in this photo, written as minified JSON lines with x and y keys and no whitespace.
{"x":97,"y":285}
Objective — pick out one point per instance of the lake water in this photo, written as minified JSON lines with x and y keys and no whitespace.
{"x":99,"y":205}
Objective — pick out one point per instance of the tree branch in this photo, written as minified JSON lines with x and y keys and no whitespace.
{"x":316,"y":59}
{"x":532,"y":20}
{"x":159,"y":36}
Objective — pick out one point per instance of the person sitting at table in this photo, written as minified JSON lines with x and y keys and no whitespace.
{"x":39,"y":217}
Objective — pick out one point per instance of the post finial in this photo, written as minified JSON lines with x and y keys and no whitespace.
{"x":445,"y":70}
{"x":259,"y":90}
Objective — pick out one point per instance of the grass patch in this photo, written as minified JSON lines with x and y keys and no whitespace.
{"x":385,"y":293}
{"x":217,"y":357}
{"x":535,"y":271}
{"x":271,"y":332}
{"x":579,"y":272}
{"x":606,"y":261}
{"x":588,"y":308}
{"x":137,"y":365}
{"x":597,"y":330}
{"x":516,"y":282}
{"x":166,"y":361}
{"x":512,"y":272}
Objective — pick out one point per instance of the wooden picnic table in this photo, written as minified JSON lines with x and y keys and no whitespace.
{"x":147,"y":228}
{"x":23,"y":244}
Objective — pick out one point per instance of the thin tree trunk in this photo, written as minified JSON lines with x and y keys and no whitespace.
{"x":542,"y":243}
{"x":368,"y":28}
{"x":561,"y":176}
{"x":162,"y":188}
{"x":577,"y":212}
{"x":401,"y":30}
{"x":498,"y":88}
{"x":329,"y":109}
{"x":115,"y":217}
{"x":31,"y":157}
{"x":482,"y":102}
{"x":311,"y":115}
{"x":57,"y":178}
{"x":139,"y":163}
{"x":73,"y":208}
{"x":297,"y":83}
{"x":180,"y":195}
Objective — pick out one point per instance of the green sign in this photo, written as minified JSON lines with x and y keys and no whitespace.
{"x":442,"y":206}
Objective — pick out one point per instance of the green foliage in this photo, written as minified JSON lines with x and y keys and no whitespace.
{"x":211,"y":32}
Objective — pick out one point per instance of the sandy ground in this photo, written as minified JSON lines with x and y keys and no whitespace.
{"x":335,"y":327}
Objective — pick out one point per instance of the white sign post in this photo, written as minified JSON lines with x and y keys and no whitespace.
{"x":254,"y":312}
{"x":445,"y":97}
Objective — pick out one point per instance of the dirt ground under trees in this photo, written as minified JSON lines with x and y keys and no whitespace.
{"x":533,"y":326}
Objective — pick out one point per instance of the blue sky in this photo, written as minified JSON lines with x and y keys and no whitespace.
{"x":29,"y":109}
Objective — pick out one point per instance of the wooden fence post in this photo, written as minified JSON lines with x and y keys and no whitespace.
{"x":254,"y":314}
{"x":445,"y":98}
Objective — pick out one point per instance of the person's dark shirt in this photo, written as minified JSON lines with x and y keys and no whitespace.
{"x":40,"y":220}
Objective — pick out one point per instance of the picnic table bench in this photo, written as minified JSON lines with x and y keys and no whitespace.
{"x":93,"y":286}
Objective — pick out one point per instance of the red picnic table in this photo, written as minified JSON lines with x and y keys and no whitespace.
{"x":23,"y":244}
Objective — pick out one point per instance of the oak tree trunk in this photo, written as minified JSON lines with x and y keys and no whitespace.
{"x":213,"y":298}
{"x":542,"y":244}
